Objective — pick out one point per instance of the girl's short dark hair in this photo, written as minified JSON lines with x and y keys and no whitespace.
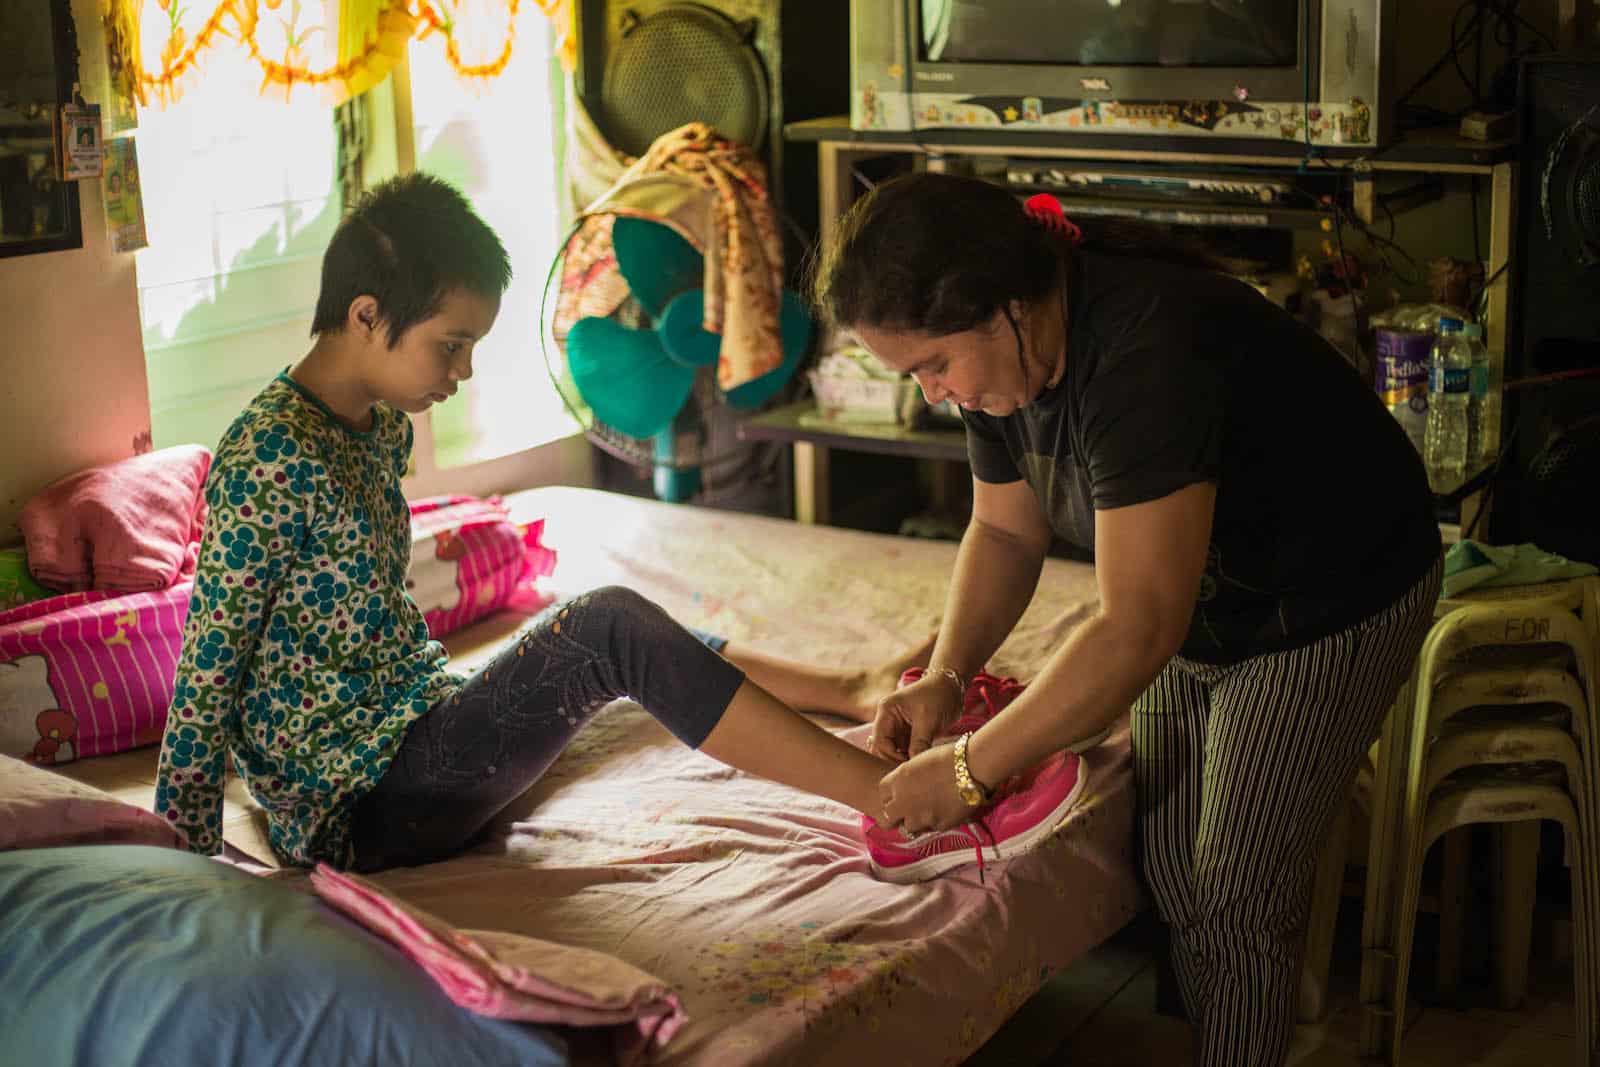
{"x":407,"y":243}
{"x":941,"y":253}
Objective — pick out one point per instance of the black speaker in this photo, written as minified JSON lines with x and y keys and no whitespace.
{"x":744,"y":67}
{"x":1545,"y":491}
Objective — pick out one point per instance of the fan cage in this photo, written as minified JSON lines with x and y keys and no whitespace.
{"x":721,"y":450}
{"x":684,"y":63}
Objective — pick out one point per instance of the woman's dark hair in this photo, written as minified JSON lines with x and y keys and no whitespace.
{"x":941,"y":253}
{"x":407,"y":243}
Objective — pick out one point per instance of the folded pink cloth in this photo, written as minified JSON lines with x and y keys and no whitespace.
{"x":509,"y":976}
{"x":128,"y":527}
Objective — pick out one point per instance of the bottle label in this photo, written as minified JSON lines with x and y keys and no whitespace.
{"x":1402,"y":365}
{"x":1448,"y":380}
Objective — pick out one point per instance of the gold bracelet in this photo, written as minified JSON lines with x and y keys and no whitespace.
{"x":973,"y":792}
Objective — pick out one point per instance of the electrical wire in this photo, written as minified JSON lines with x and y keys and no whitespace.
{"x":1381,"y":245}
{"x":1500,"y":19}
{"x":1475,"y":304}
{"x":1305,"y":63}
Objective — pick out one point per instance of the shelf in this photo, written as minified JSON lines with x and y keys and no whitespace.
{"x":803,"y":423}
{"x":1431,"y":150}
{"x":1174,"y":212}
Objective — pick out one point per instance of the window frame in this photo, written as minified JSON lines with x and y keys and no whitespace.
{"x":567,"y":460}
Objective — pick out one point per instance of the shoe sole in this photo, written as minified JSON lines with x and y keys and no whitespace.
{"x":1025,"y":842}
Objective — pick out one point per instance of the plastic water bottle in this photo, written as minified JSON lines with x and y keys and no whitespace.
{"x":1484,"y":406}
{"x":1449,"y":395}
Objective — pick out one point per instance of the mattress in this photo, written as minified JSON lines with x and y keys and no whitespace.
{"x":754,"y":901}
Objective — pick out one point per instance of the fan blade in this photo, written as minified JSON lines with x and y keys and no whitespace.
{"x":626,"y":377}
{"x":686,"y":340}
{"x":656,"y":262}
{"x":794,"y":322}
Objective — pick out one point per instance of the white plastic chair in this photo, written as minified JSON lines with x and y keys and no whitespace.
{"x":1445,"y":688}
{"x":1552,"y":686}
{"x":1518,"y":854}
{"x":1385,"y":778}
{"x":1498,"y":691}
{"x":1499,"y":802}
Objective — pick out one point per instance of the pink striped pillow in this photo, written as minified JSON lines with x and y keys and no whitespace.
{"x":469,"y":560}
{"x":43,"y":809}
{"x":88,"y":674}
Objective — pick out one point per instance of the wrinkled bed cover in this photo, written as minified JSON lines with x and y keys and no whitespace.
{"x":752,"y":900}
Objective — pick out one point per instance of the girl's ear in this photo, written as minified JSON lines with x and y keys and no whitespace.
{"x":362,"y":317}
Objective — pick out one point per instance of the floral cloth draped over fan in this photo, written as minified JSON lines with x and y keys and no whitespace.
{"x":713,"y":192}
{"x":340,"y":47}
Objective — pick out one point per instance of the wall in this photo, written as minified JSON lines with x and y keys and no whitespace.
{"x":73,"y":391}
{"x":72,"y":385}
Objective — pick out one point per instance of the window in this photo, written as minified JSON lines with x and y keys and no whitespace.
{"x":242,"y":196}
{"x":240,"y":200}
{"x":496,"y":142}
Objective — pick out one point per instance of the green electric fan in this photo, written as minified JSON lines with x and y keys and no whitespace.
{"x":641,"y":378}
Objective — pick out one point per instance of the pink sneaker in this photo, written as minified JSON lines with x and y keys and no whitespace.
{"x":1028,"y":809}
{"x":986,"y":697}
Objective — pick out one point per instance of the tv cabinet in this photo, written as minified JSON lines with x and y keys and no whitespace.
{"x":840,"y":149}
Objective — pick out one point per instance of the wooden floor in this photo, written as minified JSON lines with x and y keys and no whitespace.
{"x":1105,"y":1003}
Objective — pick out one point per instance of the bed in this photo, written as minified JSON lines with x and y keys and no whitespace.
{"x":751,"y":900}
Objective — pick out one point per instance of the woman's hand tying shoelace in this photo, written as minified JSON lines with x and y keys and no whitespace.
{"x":911,"y":717}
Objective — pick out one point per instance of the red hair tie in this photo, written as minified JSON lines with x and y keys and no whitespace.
{"x":1046,"y":211}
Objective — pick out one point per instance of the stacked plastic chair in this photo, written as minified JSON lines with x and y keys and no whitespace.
{"x":1498,"y":727}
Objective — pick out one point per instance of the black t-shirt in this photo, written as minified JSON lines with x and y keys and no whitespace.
{"x":1176,"y":376}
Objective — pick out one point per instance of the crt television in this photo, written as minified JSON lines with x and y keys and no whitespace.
{"x":1298,"y":70}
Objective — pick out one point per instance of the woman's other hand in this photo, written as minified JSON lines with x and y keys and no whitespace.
{"x":910,"y":718}
{"x":920,"y":794}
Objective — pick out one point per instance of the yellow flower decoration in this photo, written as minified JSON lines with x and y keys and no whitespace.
{"x":371,"y":36}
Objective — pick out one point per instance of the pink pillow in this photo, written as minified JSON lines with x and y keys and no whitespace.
{"x":469,"y":560}
{"x":41,"y":809}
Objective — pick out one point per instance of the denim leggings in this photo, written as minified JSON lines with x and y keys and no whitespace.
{"x":473,"y":753}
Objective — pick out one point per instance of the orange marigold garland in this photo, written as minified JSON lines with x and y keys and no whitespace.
{"x":366,"y":62}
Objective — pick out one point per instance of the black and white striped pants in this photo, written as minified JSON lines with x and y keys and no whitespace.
{"x":1240,"y":769}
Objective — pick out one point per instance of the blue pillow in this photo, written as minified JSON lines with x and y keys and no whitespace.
{"x":126,"y":954}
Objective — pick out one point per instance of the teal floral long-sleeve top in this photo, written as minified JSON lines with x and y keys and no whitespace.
{"x":303,"y":655}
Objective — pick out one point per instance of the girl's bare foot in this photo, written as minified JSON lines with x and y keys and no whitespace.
{"x":862,"y":689}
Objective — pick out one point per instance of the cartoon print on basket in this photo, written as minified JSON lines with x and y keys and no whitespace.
{"x":33,"y":726}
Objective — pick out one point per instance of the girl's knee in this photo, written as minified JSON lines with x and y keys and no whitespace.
{"x":618,"y":603}
{"x":623,"y":616}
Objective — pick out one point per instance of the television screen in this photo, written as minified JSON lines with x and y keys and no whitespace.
{"x":1112,"y":33}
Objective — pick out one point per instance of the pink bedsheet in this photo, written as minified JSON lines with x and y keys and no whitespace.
{"x":755,"y":904}
{"x":752,"y":901}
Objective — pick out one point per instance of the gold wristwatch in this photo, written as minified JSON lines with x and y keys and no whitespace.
{"x":972,"y":791}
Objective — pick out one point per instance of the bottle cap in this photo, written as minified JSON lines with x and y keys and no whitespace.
{"x":1473,"y":331}
{"x":1447,"y":324}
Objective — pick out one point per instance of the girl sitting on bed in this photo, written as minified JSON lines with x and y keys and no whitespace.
{"x":305,"y":659}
